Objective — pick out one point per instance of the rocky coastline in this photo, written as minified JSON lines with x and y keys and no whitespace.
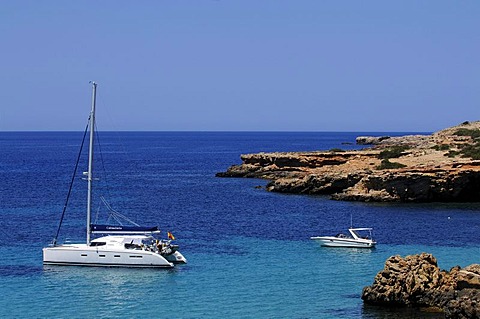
{"x":441,"y":167}
{"x":416,"y":281}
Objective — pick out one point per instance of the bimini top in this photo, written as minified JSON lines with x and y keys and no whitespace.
{"x":117,"y":229}
{"x":355,"y":232}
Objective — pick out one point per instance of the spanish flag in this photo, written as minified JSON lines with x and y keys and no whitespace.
{"x":170,"y":236}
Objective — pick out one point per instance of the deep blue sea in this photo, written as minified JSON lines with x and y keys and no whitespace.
{"x":248,"y":250}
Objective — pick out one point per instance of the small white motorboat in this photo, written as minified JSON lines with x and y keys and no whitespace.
{"x":358,"y":238}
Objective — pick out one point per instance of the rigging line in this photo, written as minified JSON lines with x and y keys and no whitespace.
{"x":116,"y":215}
{"x":115,"y":127}
{"x":108,"y":220}
{"x":107,"y":186}
{"x":113,"y":212}
{"x":117,"y":219}
{"x":96,"y":215}
{"x":71,"y":185}
{"x":4,"y":233}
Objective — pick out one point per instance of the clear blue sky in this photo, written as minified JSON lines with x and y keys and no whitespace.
{"x":240,"y":65}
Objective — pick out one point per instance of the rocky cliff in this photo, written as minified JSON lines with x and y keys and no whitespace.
{"x":416,"y":281}
{"x":444,"y":166}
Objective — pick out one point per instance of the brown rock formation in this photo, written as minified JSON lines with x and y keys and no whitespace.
{"x":416,"y":281}
{"x":437,"y":167}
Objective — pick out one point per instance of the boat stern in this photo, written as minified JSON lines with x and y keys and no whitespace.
{"x":176,"y":258}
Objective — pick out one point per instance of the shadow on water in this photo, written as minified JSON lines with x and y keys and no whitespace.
{"x":20,"y":271}
{"x":92,"y":273}
{"x":376,"y":312}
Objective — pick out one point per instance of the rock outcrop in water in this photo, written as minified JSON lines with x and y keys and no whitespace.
{"x":444,"y":166}
{"x":416,"y":281}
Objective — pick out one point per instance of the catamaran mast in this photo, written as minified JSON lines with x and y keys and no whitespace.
{"x":90,"y":160}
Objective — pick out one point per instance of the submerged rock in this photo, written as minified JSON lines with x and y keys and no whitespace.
{"x":417,"y":281}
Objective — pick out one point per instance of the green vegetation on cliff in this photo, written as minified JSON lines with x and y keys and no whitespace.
{"x":473,"y":133}
{"x":468,"y":150}
{"x":386,"y":164}
{"x":393,"y":152}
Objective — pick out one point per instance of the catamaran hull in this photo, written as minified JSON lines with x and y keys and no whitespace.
{"x":344,"y":242}
{"x":176,"y":258}
{"x":83,"y":255}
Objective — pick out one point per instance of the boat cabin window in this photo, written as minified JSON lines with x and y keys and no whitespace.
{"x":98,"y":243}
{"x":132,"y":246}
{"x":365,"y":234}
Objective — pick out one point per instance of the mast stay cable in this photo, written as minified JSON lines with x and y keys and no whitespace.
{"x":71,"y":184}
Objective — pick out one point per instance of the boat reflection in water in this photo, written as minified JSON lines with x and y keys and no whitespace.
{"x":358,"y":238}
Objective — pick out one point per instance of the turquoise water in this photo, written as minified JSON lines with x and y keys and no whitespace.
{"x":249,"y":253}
{"x":257,"y":278}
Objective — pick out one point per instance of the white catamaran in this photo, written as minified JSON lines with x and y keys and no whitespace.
{"x":123,"y":246}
